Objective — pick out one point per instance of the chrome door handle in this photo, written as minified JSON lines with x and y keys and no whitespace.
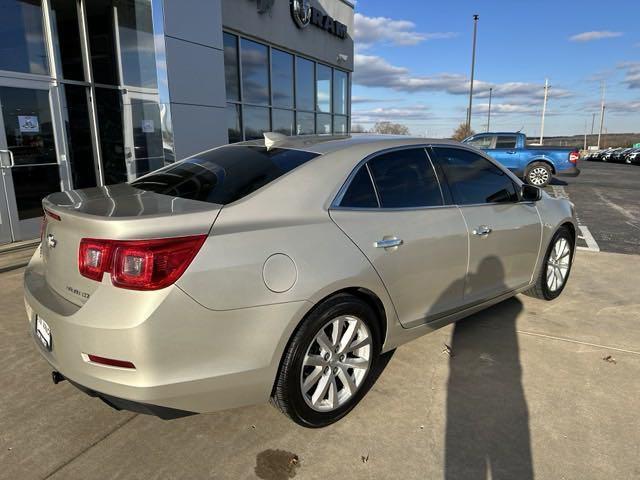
{"x":11,"y":161}
{"x":388,"y":243}
{"x":482,"y":231}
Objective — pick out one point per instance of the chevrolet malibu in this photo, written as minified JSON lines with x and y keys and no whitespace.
{"x":282,"y":269}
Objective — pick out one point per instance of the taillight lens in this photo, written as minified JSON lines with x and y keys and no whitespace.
{"x":139,"y":264}
{"x":574,"y":157}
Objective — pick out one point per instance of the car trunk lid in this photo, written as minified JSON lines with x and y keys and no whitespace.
{"x":119,"y":212}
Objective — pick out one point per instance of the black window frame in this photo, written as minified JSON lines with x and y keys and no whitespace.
{"x":444,"y":194}
{"x":444,"y":181}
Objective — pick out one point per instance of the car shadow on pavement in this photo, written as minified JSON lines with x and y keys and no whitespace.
{"x":487,"y":431}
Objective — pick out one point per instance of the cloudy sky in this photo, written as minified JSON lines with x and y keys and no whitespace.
{"x":413,"y":59}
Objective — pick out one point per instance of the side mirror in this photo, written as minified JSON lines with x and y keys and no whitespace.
{"x":530,"y":193}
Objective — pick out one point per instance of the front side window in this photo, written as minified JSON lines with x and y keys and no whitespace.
{"x":481,"y":142}
{"x":506,"y":141}
{"x":474,"y":179}
{"x":405,"y":179}
{"x":223,"y":175}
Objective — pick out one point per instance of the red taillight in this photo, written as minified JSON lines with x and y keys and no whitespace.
{"x":110,"y":362}
{"x":574,"y":157}
{"x":138,"y":264}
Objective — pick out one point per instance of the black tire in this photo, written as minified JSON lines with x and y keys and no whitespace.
{"x":540,"y":289}
{"x":287,"y":393}
{"x":533,"y":175}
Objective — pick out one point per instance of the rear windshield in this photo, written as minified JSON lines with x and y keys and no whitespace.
{"x":223,"y":175}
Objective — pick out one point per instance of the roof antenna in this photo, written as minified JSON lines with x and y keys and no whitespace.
{"x":271,"y":139}
{"x":521,"y":128}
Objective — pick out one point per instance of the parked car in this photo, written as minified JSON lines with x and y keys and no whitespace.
{"x":282,"y":269}
{"x":535,"y":164}
{"x":633,"y":156}
{"x":609,"y":154}
{"x":620,"y":155}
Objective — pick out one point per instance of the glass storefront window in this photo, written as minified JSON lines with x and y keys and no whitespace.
{"x":340,"y":92}
{"x":233,"y":123}
{"x":254,"y":58}
{"x":304,"y":85}
{"x":256,"y":122}
{"x":231,"y":74}
{"x":283,"y":121}
{"x":305,"y":123}
{"x":108,"y":105}
{"x":340,"y":125}
{"x":21,"y":37}
{"x":323,"y":124}
{"x":137,"y":47}
{"x":66,"y":35}
{"x":102,"y":44}
{"x":323,"y":88}
{"x":282,"y":78}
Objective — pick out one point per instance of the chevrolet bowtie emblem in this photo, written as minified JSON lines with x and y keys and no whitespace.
{"x":51,"y":241}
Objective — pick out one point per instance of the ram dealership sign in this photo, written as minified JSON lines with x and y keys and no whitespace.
{"x":304,"y":14}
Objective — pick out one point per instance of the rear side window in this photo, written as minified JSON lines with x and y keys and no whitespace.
{"x":474,"y":179}
{"x":223,"y":175}
{"x":360,"y":193}
{"x":404,"y":179}
{"x":506,"y":141}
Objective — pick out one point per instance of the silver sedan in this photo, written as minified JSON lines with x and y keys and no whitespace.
{"x":282,"y":269}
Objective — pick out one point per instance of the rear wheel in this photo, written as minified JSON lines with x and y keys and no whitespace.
{"x":326,"y":369}
{"x":538,"y":174}
{"x":556,"y":268}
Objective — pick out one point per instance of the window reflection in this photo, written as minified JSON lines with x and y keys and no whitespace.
{"x":21,"y":37}
{"x":340,"y":92}
{"x":135,"y":27}
{"x":304,"y":84}
{"x":256,"y":122}
{"x":231,"y":74}
{"x":233,"y":123}
{"x":66,"y":34}
{"x":110,"y":126}
{"x":340,"y":125}
{"x":323,"y":90}
{"x":102,"y":41}
{"x":305,"y":123}
{"x":323,"y":124}
{"x":255,"y":72}
{"x":282,"y":78}
{"x":283,"y":121}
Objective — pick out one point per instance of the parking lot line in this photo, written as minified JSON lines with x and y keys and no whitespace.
{"x":592,"y":245}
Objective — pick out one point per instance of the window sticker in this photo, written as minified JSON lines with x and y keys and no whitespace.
{"x":28,"y":124}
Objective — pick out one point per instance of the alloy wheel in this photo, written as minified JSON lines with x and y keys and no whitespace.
{"x":336,"y":363}
{"x":558,"y":264}
{"x":539,"y":176}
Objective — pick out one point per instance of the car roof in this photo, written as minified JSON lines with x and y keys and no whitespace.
{"x":323,"y":144}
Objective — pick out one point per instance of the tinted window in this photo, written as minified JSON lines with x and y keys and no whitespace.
{"x":256,"y":122}
{"x":481,"y":142}
{"x":282,"y":78}
{"x":255,"y":72}
{"x":304,"y":84}
{"x":360,"y":193}
{"x":474,"y":179}
{"x":223,"y":175}
{"x":231,"y":75}
{"x":506,"y":142}
{"x":404,"y":179}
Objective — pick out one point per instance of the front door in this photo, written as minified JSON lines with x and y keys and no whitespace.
{"x":416,"y":243}
{"x":504,"y":233}
{"x":28,"y":161}
{"x":506,"y":153}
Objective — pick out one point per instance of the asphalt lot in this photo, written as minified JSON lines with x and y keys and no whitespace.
{"x":607,"y":197}
{"x":531,"y":389}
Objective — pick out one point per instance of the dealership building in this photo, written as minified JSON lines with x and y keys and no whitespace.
{"x":99,"y":92}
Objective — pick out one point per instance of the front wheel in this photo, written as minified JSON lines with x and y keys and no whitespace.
{"x":326,"y":369}
{"x":538,"y":174}
{"x":556,"y":267}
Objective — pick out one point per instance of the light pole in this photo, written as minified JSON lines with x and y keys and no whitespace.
{"x":489,"y":112}
{"x":473,"y":67}
{"x":601,"y":115}
{"x":544,"y":109}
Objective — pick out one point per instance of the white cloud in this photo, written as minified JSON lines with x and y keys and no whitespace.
{"x":399,"y":114}
{"x":370,"y":30}
{"x":375,"y":71}
{"x":594,"y":35}
{"x":632,"y":74}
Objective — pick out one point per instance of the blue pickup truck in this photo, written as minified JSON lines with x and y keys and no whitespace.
{"x":537,"y":165}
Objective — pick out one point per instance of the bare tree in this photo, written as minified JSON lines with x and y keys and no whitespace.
{"x":463,"y":131}
{"x":357,"y":128}
{"x":391,"y":128}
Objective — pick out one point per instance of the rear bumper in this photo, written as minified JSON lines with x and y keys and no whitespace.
{"x":188,"y":358}
{"x":569,"y":172}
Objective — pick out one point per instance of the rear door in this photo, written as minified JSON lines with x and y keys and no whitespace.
{"x":393,"y":210}
{"x":504,"y":233}
{"x":506,"y":153}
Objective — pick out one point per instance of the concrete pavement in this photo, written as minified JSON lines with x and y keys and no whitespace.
{"x":525,"y":393}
